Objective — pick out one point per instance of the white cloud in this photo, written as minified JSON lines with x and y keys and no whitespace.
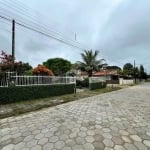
{"x":120,"y":29}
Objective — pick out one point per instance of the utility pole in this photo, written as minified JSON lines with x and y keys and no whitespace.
{"x":13,"y":40}
{"x":75,"y":36}
{"x":134,"y":73}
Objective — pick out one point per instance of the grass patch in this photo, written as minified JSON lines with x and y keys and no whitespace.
{"x":36,"y":104}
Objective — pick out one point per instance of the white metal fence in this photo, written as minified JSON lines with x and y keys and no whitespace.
{"x":36,"y":80}
{"x":3,"y":83}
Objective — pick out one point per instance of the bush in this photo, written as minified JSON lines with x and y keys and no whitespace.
{"x":97,"y":85}
{"x":83,"y":83}
{"x":14,"y":94}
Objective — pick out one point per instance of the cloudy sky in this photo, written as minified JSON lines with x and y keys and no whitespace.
{"x":119,"y":29}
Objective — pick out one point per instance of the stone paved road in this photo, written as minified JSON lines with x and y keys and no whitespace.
{"x":118,"y":120}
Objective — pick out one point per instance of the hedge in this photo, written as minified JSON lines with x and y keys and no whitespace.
{"x":97,"y":85}
{"x":15,"y":94}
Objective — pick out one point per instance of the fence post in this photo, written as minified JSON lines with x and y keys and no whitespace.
{"x":75,"y":89}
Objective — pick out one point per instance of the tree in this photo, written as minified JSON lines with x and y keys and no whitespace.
{"x":42,"y":70}
{"x":128,"y":69}
{"x":58,"y":65}
{"x":90,"y":62}
{"x":7,"y":64}
{"x":113,"y":68}
{"x":142,"y":73}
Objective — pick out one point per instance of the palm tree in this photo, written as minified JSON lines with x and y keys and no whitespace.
{"x":90,"y":62}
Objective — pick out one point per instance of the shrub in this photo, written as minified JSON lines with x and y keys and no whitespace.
{"x":83,"y":83}
{"x":14,"y":94}
{"x":97,"y":85}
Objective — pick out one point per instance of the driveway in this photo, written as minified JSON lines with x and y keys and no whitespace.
{"x":118,"y":120}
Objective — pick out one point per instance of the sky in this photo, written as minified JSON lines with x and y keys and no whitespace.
{"x":119,"y":29}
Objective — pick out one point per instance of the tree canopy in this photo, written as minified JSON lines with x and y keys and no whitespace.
{"x":90,"y":62}
{"x":7,"y":64}
{"x":42,"y":70}
{"x":128,"y":69}
{"x":59,"y":66}
{"x":113,"y":68}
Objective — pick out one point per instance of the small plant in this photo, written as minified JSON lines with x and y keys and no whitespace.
{"x":83,"y":83}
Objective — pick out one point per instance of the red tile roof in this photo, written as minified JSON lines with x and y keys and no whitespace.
{"x":103,"y":73}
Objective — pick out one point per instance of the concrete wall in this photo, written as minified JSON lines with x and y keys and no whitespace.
{"x":125,"y":82}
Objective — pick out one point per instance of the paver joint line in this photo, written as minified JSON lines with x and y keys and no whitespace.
{"x":118,"y":120}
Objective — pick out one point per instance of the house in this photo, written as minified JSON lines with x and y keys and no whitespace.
{"x":111,"y":77}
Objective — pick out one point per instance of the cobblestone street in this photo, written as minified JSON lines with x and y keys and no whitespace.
{"x":118,"y":120}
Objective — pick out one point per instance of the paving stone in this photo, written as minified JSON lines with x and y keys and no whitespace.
{"x":70,"y":142}
{"x":17,"y":140}
{"x":147,"y":143}
{"x":90,"y":132}
{"x":43,"y":141}
{"x":130,"y":146}
{"x":59,"y":144}
{"x":83,"y":129}
{"x":78,"y":147}
{"x":73,"y":135}
{"x":140,"y":146}
{"x":31,"y":143}
{"x":136,"y":138}
{"x":98,"y":137}
{"x":28,"y":138}
{"x":48,"y":134}
{"x":37,"y":147}
{"x":148,"y":133}
{"x":119,"y":147}
{"x":67,"y":148}
{"x":80,"y":140}
{"x":98,"y":145}
{"x":117,"y":140}
{"x":89,"y":139}
{"x":123,"y":132}
{"x":6,"y":137}
{"x":106,"y":130}
{"x":126,"y":139}
{"x":53,"y":139}
{"x":108,"y":148}
{"x":107,"y":135}
{"x":82,"y":134}
{"x":48,"y":146}
{"x":39,"y":136}
{"x":8,"y":147}
{"x":108,"y":143}
{"x":88,"y":146}
{"x":19,"y":146}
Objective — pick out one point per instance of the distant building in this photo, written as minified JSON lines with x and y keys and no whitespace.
{"x":111,"y":77}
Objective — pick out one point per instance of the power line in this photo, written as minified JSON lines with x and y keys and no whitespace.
{"x":26,"y":14}
{"x":40,"y":32}
{"x":41,"y":29}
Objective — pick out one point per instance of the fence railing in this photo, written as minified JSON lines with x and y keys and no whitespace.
{"x":37,"y":80}
{"x":3,"y":83}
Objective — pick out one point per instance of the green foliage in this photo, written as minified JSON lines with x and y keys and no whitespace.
{"x":7,"y":64}
{"x":128,"y":69}
{"x":14,"y":94}
{"x":90,"y":62}
{"x":83,"y":83}
{"x":97,"y":85}
{"x":58,"y":65}
{"x":113,"y":68}
{"x":142,"y":73}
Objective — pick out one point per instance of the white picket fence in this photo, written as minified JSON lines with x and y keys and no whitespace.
{"x":37,"y":80}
